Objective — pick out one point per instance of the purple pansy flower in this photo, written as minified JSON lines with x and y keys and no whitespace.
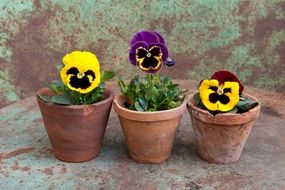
{"x":148,"y":51}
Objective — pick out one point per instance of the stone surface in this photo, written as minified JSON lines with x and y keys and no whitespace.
{"x":26,"y":160}
{"x":246,"y":37}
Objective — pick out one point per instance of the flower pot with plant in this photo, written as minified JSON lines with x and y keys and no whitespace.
{"x":222,"y":117}
{"x":76,"y":109}
{"x":149,"y":108}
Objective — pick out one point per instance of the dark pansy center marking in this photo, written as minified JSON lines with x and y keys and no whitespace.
{"x":141,"y":53}
{"x":82,"y":82}
{"x":149,"y":59}
{"x":214,"y":97}
{"x":226,"y":90}
{"x":72,"y":70}
{"x":155,"y":51}
{"x":214,"y":88}
{"x":219,"y":95}
{"x":91,"y":73}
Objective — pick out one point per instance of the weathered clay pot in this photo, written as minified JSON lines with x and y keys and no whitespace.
{"x":221,"y":138}
{"x":149,"y":135}
{"x":76,"y":131}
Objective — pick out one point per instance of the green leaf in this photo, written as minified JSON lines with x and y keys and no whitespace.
{"x":245,"y":105}
{"x":122,"y":86}
{"x":96,"y":96}
{"x":62,"y":99}
{"x":152,"y":93}
{"x":134,"y":82}
{"x":197,"y":99}
{"x":45,"y":98}
{"x":132,"y":107}
{"x":57,"y":86}
{"x":165,"y":80}
{"x":138,"y":107}
{"x":143,"y":103}
{"x":172,"y":86}
{"x":107,"y":75}
{"x":59,"y":66}
{"x":102,"y":85}
{"x":173,"y":104}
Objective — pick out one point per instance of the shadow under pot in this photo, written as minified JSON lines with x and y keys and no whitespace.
{"x":220,"y":138}
{"x":75,"y":131}
{"x":149,"y":135}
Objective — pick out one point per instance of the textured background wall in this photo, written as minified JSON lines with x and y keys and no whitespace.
{"x":247,"y":37}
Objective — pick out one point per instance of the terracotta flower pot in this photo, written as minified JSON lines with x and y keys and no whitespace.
{"x":221,"y":138}
{"x":149,"y":135}
{"x":76,"y":131}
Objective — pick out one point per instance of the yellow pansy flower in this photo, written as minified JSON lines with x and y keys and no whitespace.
{"x":81,"y":71}
{"x":219,"y":97}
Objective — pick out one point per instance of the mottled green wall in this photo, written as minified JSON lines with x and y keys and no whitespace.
{"x":247,"y":37}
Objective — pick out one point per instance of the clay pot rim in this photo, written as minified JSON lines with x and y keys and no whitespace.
{"x":109,"y":97}
{"x":192,"y":105}
{"x":147,"y":112}
{"x":142,"y":116}
{"x":243,"y":117}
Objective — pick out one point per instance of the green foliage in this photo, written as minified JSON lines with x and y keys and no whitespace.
{"x":152,"y":93}
{"x":244,"y":105}
{"x":107,"y":75}
{"x":64,"y":96}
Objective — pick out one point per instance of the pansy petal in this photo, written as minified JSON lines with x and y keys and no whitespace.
{"x":155,"y":59}
{"x":223,"y":76}
{"x":164,"y":50}
{"x":219,"y":97}
{"x":138,"y":44}
{"x":161,"y":39}
{"x":157,"y":69}
{"x":205,"y":93}
{"x":146,"y":36}
{"x":233,"y":96}
{"x":81,"y":71}
{"x":132,"y":53}
{"x":152,"y":62}
{"x":151,"y":70}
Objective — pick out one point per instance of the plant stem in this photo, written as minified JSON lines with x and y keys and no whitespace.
{"x":149,"y":78}
{"x":157,"y":77}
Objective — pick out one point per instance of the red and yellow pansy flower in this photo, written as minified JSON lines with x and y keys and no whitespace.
{"x":219,"y":97}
